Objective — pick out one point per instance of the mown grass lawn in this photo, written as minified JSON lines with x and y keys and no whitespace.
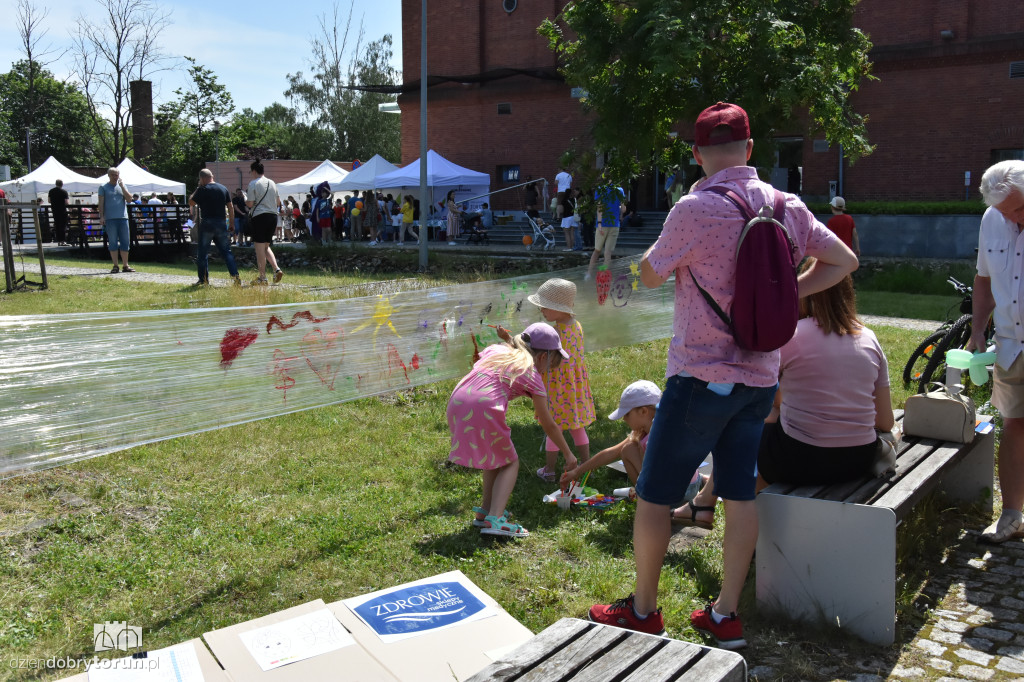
{"x":196,"y":533}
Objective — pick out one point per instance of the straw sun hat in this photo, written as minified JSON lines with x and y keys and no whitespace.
{"x":555,"y":294}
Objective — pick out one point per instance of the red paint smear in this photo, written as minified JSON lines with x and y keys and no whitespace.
{"x":395,"y":361}
{"x":234,"y":342}
{"x":415,"y":361}
{"x":275,"y":321}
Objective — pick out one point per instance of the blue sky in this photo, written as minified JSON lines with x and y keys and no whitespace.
{"x":251,"y":45}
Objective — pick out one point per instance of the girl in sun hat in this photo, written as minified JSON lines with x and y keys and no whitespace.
{"x":568,"y":386}
{"x":481,"y":438}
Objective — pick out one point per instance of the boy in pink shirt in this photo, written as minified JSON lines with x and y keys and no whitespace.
{"x":717,"y":394}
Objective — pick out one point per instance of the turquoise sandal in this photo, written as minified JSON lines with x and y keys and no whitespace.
{"x":499,"y":525}
{"x":481,"y":523}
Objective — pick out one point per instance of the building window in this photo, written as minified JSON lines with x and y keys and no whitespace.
{"x":504,"y":109}
{"x":508,"y":173}
{"x":1007,"y":155}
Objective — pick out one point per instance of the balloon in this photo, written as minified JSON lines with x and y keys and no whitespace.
{"x":359,"y":204}
{"x":527,"y":240}
{"x":355,"y":211}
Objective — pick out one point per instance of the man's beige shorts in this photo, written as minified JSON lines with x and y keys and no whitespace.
{"x":606,"y":237}
{"x":1008,"y":389}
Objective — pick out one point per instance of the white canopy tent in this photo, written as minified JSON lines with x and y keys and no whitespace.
{"x":442,"y":176}
{"x":43,"y":178}
{"x":139,"y":180}
{"x":365,"y":177}
{"x":326,"y":171}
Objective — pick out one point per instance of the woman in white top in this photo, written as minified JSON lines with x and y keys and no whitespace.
{"x":263,"y":203}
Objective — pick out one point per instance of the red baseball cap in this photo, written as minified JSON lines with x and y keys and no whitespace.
{"x":721,"y":114}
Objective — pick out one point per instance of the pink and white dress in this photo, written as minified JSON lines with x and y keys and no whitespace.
{"x":481,"y":438}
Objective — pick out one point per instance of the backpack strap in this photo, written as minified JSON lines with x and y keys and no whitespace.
{"x":778,"y":214}
{"x":711,"y":301}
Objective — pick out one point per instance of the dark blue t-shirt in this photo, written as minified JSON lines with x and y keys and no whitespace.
{"x":213,"y":200}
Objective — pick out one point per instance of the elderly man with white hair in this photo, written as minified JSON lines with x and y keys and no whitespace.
{"x":999,"y":290}
{"x":113,"y":210}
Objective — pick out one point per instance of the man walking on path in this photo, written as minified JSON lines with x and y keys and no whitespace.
{"x":113,"y":210}
{"x":717,"y":394}
{"x":214,"y":202}
{"x":997,"y":289}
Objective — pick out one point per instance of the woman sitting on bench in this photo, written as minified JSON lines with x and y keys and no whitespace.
{"x":832,"y":403}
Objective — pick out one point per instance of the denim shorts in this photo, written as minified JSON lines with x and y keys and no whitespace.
{"x":692,"y":421}
{"x":117,"y":234}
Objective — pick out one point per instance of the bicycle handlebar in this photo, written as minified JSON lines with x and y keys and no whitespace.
{"x":959,"y":286}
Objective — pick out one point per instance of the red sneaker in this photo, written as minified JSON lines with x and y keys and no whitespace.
{"x":621,"y":615}
{"x":728,"y":634}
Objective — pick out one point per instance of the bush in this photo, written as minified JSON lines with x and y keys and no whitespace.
{"x":972,"y":207}
{"x":914,"y":277}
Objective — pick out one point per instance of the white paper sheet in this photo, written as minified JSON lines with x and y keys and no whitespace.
{"x":297,"y":639}
{"x":177,"y":663}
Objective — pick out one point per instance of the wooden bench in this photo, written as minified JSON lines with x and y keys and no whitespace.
{"x":582,"y":651}
{"x":828,"y":553}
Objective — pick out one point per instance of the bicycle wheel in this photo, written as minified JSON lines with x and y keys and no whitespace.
{"x":914,"y":368}
{"x":957,"y":337}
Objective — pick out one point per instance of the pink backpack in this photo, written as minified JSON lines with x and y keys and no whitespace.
{"x":765,"y":304}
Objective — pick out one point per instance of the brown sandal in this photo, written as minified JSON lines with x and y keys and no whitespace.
{"x":692,"y":520}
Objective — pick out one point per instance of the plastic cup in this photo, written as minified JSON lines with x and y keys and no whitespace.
{"x":621,"y":492}
{"x":564,"y":501}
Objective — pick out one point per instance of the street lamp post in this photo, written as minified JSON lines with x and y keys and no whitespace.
{"x":216,"y":141}
{"x":424,"y":199}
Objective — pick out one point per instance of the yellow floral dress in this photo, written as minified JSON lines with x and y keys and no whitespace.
{"x":569,"y":399}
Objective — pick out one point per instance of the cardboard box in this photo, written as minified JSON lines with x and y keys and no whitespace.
{"x":460,"y":649}
{"x":348,"y":663}
{"x":212,"y":672}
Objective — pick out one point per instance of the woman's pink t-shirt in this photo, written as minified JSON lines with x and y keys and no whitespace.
{"x":828,"y":386}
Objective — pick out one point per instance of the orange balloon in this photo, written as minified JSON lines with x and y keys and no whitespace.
{"x":359,"y":204}
{"x":527,"y":240}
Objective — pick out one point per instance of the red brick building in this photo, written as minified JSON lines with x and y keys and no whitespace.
{"x":949,"y":98}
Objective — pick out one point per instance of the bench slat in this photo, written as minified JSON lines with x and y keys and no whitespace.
{"x":920,"y":481}
{"x":666,"y":664}
{"x":533,"y":651}
{"x":714,"y":667}
{"x":562,"y":662}
{"x":624,"y":656}
{"x":875,"y":487}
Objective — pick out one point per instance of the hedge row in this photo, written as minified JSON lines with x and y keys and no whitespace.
{"x":972,"y":207}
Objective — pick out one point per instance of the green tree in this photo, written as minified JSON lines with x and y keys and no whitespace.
{"x":329,"y":101}
{"x":647,"y":65}
{"x":276,"y":132}
{"x":185,"y":129}
{"x":58,"y":118}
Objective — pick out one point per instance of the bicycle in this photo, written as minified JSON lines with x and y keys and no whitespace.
{"x":929,"y":359}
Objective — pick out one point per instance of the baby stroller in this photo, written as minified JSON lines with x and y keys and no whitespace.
{"x":473,"y":231}
{"x":543,"y":234}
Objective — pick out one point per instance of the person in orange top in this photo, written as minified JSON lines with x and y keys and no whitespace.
{"x":842,"y":225}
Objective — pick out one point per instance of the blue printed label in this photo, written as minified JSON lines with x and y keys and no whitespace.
{"x":420,"y":608}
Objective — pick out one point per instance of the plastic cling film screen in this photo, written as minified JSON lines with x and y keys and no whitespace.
{"x":81,"y":385}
